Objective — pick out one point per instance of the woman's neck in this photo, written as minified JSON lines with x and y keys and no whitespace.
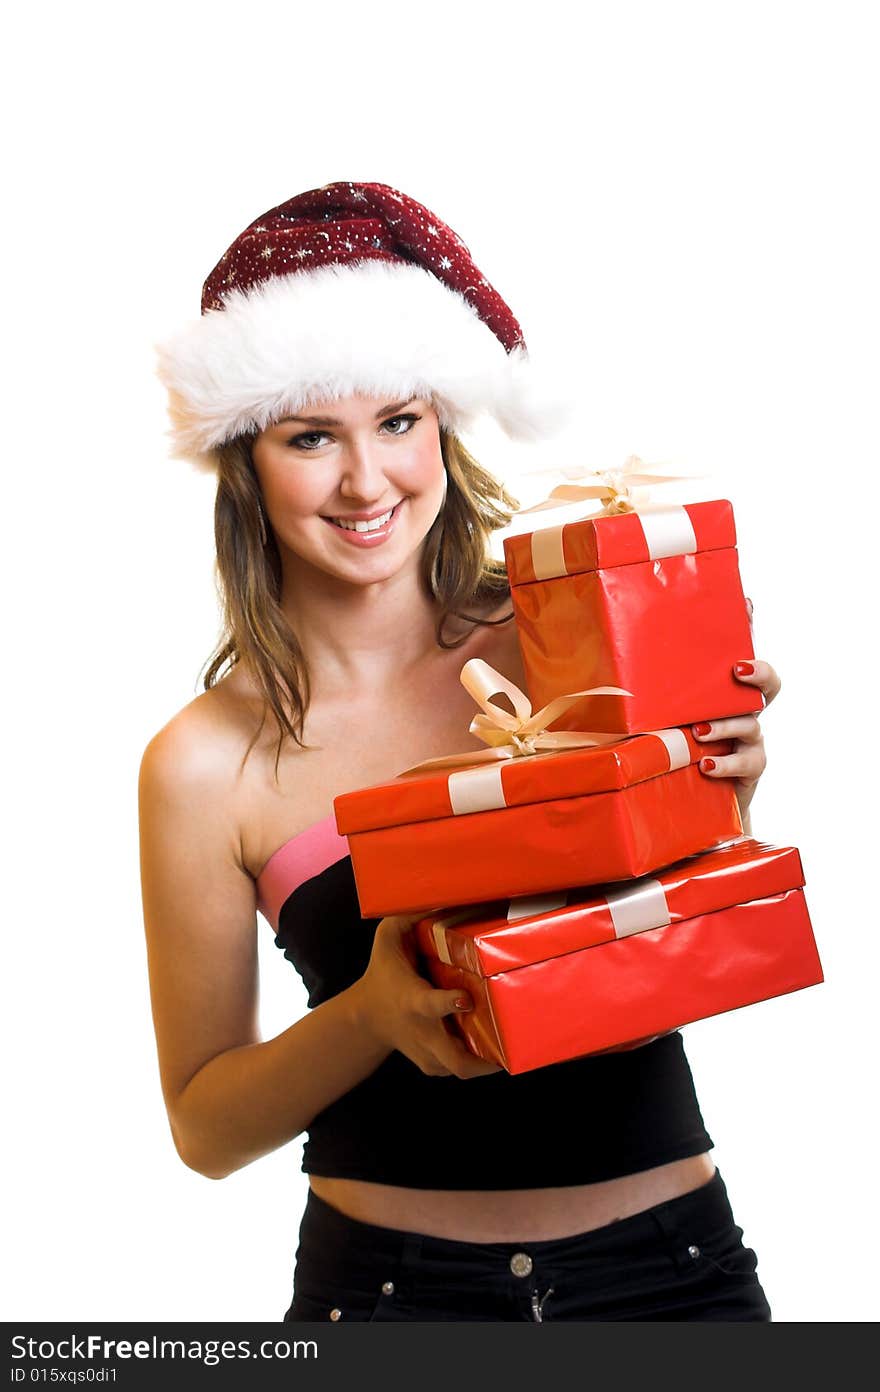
{"x":358,"y":636}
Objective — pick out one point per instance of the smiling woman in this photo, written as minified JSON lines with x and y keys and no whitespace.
{"x":304,"y":491}
{"x":366,"y":526}
{"x":397,"y":473}
{"x":346,"y":340}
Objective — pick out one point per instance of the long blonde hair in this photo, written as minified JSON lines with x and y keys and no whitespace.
{"x":457,"y":570}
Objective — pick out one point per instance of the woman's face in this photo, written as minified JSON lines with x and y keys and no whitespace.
{"x":352,"y":486}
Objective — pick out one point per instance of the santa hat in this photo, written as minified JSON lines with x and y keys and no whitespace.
{"x":349,"y":288}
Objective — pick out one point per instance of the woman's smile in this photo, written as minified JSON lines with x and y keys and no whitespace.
{"x":366,"y":529}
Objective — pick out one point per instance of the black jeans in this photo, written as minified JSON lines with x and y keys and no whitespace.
{"x":680,"y":1260}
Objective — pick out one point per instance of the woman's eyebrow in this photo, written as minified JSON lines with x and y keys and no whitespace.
{"x":330,"y":420}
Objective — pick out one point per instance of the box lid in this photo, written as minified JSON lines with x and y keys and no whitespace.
{"x":597,"y":543}
{"x":491,"y":938}
{"x":514,"y":782}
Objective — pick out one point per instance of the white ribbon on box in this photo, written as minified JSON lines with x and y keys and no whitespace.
{"x":481,"y":789}
{"x":530,"y":905}
{"x":676,"y":746}
{"x":476,"y":790}
{"x":477,"y":787}
{"x":636,"y":907}
{"x":668,"y":531}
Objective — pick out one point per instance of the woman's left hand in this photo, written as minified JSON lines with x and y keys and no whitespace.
{"x":747,"y":761}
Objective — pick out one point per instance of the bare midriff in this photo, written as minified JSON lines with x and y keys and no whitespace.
{"x":512,"y":1215}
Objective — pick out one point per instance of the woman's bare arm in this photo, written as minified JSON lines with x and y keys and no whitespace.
{"x":230,"y":1096}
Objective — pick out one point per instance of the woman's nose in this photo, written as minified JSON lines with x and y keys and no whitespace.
{"x":362,"y":474}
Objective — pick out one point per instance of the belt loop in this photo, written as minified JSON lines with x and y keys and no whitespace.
{"x":663,"y":1216}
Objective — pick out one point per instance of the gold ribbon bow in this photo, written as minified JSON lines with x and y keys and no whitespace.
{"x":612,"y":486}
{"x":522,"y":734}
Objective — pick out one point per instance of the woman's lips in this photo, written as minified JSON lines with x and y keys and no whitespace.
{"x":368,"y":539}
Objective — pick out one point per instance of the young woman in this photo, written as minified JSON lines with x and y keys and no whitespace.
{"x":346,"y":337}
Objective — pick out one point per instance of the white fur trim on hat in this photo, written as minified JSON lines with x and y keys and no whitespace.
{"x":378,"y":328}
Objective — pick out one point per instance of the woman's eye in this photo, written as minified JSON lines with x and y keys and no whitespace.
{"x":298,"y":440}
{"x":410,"y":420}
{"x":312,"y":439}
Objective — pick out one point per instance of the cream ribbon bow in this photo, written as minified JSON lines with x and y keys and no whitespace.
{"x":522,"y":734}
{"x":612,"y":486}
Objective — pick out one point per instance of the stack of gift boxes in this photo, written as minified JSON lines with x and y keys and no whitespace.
{"x":581,"y":879}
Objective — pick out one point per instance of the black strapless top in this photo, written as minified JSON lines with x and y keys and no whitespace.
{"x":577,"y":1122}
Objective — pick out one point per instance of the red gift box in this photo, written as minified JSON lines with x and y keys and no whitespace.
{"x":589,"y":971}
{"x":649,"y":601}
{"x":529,"y":824}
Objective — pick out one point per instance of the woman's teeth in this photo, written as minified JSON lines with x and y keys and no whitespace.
{"x":372,"y":526}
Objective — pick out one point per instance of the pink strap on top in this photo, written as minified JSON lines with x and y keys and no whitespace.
{"x":299,"y":859}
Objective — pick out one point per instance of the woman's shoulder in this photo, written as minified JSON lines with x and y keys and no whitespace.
{"x":201,"y":747}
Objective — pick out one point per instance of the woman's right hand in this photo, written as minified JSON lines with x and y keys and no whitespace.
{"x":406,"y":1012}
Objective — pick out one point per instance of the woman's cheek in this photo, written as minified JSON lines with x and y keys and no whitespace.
{"x":423,"y":474}
{"x":300,"y":499}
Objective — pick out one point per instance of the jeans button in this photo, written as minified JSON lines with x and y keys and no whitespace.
{"x":521,"y":1264}
{"x":387,"y":1287}
{"x":336,"y":1314}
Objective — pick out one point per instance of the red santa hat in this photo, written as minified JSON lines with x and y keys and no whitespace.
{"x":349,"y":288}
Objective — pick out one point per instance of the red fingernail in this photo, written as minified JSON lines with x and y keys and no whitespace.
{"x":744,"y":669}
{"x":708,"y":764}
{"x":702,"y":729}
{"x":462,"y":1003}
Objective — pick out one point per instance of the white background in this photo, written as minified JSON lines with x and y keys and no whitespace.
{"x":676,"y":198}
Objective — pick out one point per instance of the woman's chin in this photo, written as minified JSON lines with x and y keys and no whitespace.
{"x":361,"y":569}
